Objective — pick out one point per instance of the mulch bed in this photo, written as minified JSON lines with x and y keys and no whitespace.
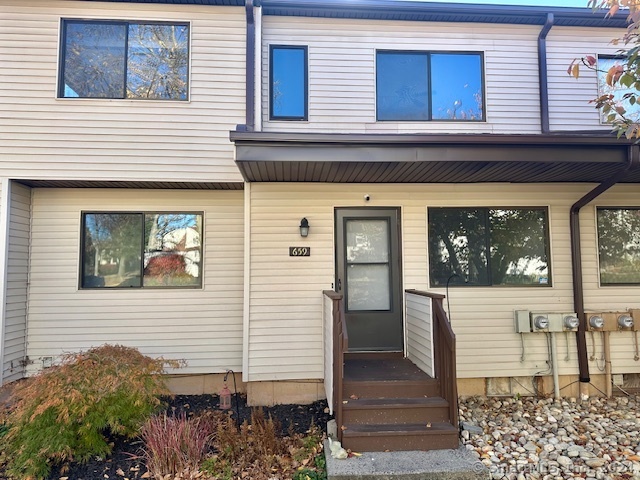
{"x":126,"y":461}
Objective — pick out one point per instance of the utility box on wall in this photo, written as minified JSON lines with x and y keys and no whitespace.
{"x":522,"y":322}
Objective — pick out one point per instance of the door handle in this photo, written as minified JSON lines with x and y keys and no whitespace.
{"x":339,"y":285}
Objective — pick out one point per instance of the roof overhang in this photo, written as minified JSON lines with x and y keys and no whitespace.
{"x":147,"y":184}
{"x":411,"y":158}
{"x":444,"y":12}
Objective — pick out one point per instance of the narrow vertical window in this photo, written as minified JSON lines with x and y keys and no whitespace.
{"x":288,"y":82}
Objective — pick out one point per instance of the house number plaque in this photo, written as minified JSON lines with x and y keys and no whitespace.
{"x":299,"y":251}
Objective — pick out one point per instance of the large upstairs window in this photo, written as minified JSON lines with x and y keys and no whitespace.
{"x":489,"y":246}
{"x":118,"y":59}
{"x":425,"y":86}
{"x":288,"y":82}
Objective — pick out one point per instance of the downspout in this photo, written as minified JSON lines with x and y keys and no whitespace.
{"x":633,"y":160}
{"x":250,"y":69}
{"x":542,"y":72}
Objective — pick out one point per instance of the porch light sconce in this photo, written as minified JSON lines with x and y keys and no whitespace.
{"x":304,"y":227}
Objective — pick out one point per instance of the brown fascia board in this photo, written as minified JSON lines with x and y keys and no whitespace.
{"x":364,"y":139}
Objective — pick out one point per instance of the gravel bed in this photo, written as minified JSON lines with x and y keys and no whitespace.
{"x":523,"y":439}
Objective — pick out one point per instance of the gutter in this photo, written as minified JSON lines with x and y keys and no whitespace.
{"x":633,"y":162}
{"x":250,"y":60}
{"x":542,"y":72}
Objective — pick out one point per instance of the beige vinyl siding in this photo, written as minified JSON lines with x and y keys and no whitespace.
{"x":609,"y":298}
{"x":285,"y":329}
{"x":15,"y":327}
{"x":569,"y":107}
{"x":342,"y":92}
{"x":202,"y":326}
{"x":419,"y":332}
{"x":100,"y":139}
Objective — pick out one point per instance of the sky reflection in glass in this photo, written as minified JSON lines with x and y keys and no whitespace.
{"x":288,"y":82}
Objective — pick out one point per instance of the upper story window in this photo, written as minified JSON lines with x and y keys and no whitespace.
{"x":288,"y":82}
{"x":119,"y":59}
{"x":605,"y":63}
{"x":489,"y":246}
{"x":423,"y":86}
{"x":619,"y":245}
{"x":136,"y":249}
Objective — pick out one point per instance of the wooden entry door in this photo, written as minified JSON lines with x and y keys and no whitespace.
{"x":368,"y":275}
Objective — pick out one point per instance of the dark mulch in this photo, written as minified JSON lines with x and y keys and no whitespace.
{"x":126,"y":461}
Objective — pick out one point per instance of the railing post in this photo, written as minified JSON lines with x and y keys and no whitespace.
{"x":340,"y":346}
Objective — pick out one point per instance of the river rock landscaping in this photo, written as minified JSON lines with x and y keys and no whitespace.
{"x":547,"y":439}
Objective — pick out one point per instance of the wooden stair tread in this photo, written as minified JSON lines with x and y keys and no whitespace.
{"x":439,"y":428}
{"x":375,"y":403}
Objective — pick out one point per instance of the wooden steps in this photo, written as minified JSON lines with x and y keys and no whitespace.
{"x":390,"y":405}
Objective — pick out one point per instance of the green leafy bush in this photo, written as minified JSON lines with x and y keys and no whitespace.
{"x":66,"y":412}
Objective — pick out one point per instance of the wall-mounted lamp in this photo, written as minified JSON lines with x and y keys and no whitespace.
{"x":304,"y":227}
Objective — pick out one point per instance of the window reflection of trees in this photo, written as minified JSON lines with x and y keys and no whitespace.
{"x":117,"y":60}
{"x":488,"y":246}
{"x":115,"y":251}
{"x":619,"y":245}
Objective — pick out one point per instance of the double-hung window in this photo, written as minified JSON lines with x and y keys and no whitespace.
{"x":619,"y":92}
{"x":122,"y":59}
{"x":425,"y":86}
{"x":488,"y":246}
{"x":288,"y":82}
{"x":619,"y":245}
{"x":141,"y":249}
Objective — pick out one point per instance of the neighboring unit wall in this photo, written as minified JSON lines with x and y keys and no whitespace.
{"x":101,"y":139}
{"x":285,"y":329}
{"x":570,"y":106}
{"x":342,"y":77}
{"x":15,"y":321}
{"x":200,"y":325}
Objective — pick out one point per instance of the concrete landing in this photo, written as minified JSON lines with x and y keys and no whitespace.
{"x":457,"y":464}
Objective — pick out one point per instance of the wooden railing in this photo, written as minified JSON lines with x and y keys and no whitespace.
{"x":444,"y":345}
{"x":340,"y":346}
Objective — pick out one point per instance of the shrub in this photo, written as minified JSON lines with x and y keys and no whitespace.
{"x":176,"y":445}
{"x":64,"y":413}
{"x":258,"y":450}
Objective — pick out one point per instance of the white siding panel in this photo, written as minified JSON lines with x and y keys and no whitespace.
{"x":202,"y":326}
{"x":15,"y":328}
{"x":569,"y":107}
{"x":419,"y":335}
{"x":481,"y":317}
{"x":91,"y":139}
{"x":342,"y":72}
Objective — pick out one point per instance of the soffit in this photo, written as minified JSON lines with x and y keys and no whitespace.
{"x":338,"y":158}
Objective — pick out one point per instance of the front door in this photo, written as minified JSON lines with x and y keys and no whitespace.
{"x":368,"y":275}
